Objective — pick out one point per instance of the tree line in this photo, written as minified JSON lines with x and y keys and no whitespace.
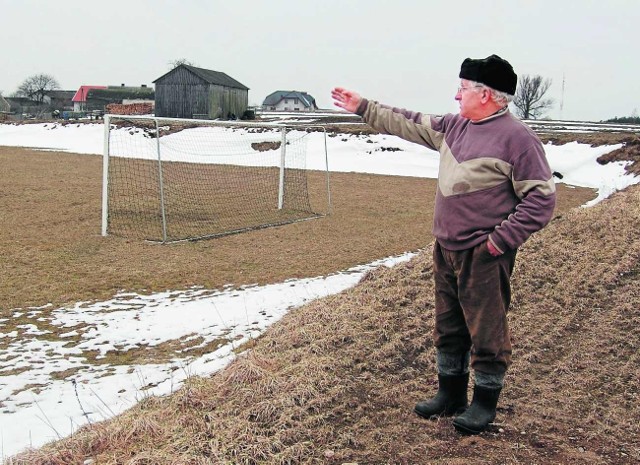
{"x":624,"y":120}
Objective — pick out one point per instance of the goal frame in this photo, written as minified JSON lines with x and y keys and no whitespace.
{"x":283,"y":127}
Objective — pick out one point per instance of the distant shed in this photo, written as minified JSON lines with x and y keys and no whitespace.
{"x":190,"y":92}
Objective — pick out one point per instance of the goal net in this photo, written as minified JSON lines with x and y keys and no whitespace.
{"x":170,"y":180}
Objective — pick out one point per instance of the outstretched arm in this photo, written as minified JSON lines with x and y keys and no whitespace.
{"x":346,"y":99}
{"x":405,"y":124}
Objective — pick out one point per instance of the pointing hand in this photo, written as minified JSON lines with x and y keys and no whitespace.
{"x":346,"y":99}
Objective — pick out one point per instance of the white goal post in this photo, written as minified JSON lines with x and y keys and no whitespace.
{"x":171,"y":179}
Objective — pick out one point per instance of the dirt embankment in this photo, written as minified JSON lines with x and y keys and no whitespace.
{"x":629,"y":152}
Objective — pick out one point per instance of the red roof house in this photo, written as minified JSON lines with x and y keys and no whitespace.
{"x":80,"y":98}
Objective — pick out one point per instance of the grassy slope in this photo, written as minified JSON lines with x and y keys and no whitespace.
{"x":335,"y":381}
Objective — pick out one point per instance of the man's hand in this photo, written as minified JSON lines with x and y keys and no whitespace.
{"x":492,"y":249}
{"x":346,"y":99}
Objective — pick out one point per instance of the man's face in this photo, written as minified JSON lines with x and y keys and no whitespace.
{"x":469,"y":97}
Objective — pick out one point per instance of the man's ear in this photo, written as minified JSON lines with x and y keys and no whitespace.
{"x":486,"y":96}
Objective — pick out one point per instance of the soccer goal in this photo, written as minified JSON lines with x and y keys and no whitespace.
{"x":168,"y":180}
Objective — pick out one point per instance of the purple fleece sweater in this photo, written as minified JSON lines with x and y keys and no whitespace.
{"x":494,"y":180}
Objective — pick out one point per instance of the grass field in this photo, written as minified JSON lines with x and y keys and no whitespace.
{"x":53,"y":252}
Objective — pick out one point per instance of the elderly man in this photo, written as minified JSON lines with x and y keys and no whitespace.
{"x":494,"y":190}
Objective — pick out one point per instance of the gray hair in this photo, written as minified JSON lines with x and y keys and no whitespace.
{"x":501,"y":98}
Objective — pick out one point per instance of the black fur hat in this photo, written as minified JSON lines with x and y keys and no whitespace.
{"x":492,"y":71}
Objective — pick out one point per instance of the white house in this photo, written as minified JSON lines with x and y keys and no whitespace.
{"x":289,"y":100}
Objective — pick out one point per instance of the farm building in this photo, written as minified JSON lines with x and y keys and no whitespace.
{"x":4,"y":105}
{"x":190,"y":92}
{"x":60,"y":100}
{"x":4,"y":108}
{"x":289,"y":100}
{"x":91,"y":98}
{"x":23,"y":107}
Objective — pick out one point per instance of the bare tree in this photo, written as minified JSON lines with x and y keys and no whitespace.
{"x":37,"y":86}
{"x":529,"y":99}
{"x":180,"y":61}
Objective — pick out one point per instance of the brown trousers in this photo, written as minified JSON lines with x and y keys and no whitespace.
{"x":472,"y":297}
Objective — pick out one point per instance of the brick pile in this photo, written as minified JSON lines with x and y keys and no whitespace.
{"x":130,"y":108}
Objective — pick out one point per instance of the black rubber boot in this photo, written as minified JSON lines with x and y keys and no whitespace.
{"x":450,"y":399}
{"x":480,"y":413}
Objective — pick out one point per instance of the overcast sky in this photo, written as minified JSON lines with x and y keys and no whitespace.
{"x":405,"y":53}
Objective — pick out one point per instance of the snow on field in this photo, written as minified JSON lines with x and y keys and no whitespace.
{"x":39,"y":404}
{"x":347,"y":153}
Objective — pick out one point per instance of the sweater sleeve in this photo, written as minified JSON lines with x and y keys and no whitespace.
{"x":408,"y":125}
{"x":533,"y":184}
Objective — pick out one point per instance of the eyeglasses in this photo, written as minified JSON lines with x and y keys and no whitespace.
{"x":462,"y":89}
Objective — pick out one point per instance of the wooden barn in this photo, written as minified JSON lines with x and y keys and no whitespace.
{"x":190,"y":92}
{"x":4,"y":105}
{"x":4,"y":109}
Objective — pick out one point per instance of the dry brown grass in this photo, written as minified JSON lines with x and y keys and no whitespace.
{"x":335,"y":381}
{"x":592,"y":138}
{"x":52,"y":250}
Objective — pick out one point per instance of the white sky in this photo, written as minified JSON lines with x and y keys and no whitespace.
{"x":36,"y":408}
{"x":405,"y":53}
